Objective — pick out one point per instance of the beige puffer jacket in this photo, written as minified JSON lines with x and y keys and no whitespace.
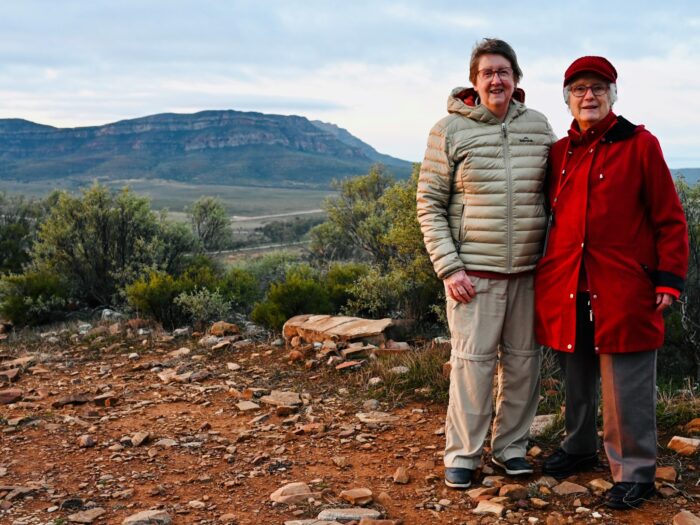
{"x":480,"y":192}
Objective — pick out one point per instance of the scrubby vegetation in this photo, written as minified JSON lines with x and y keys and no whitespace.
{"x":101,"y":248}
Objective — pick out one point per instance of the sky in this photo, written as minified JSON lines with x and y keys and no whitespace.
{"x":381,"y":69}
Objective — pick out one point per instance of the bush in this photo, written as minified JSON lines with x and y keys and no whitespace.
{"x":19,"y":220}
{"x":154,"y":296}
{"x":210,"y":223}
{"x":33,"y":298}
{"x":240,"y":287}
{"x":203,"y":305}
{"x":340,"y":280}
{"x":299,"y":293}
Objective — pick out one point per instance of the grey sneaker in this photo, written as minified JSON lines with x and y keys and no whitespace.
{"x":514,"y":466}
{"x":458,"y":478}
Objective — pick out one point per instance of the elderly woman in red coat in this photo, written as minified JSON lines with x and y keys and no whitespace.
{"x":616,"y":256}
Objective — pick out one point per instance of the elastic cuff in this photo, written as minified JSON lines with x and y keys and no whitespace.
{"x":671,"y":291}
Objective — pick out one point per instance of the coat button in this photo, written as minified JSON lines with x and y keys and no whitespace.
{"x":568,"y":346}
{"x":601,"y":176}
{"x":571,"y":296}
{"x":595,"y":296}
{"x":597,"y":348}
{"x":582,"y":244}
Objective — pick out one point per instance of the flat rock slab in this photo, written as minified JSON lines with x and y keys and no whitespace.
{"x":541,"y":423}
{"x":21,"y":362}
{"x":683,"y":445}
{"x":293,"y":493}
{"x":244,"y":406}
{"x":312,"y":522}
{"x":685,"y":517}
{"x":86,"y":516}
{"x":76,"y":399}
{"x":376,"y":418}
{"x":282,"y":398}
{"x":566,"y":488}
{"x":351,"y":514}
{"x":10,"y":396}
{"x":149,"y":517}
{"x":319,"y":328}
{"x":489,"y":507}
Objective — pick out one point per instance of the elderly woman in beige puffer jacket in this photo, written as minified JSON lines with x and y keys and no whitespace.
{"x":481,"y":209}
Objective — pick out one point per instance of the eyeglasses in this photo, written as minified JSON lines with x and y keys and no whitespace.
{"x":503,"y":73}
{"x":597,"y":90}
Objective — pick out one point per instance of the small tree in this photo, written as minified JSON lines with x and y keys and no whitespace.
{"x":210,"y":223}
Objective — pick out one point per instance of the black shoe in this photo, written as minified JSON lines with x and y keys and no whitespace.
{"x":561,"y":464}
{"x":458,"y":478}
{"x":514,"y":466}
{"x":629,"y":495}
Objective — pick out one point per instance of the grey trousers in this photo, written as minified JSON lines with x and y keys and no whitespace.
{"x":629,"y":403}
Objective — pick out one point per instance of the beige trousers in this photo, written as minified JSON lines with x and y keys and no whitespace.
{"x":494,"y":331}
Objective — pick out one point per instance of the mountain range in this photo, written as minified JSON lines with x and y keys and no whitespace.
{"x":209,"y":147}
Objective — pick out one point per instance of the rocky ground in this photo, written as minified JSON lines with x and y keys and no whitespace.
{"x":126,"y":425}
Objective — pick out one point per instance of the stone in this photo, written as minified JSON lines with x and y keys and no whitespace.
{"x":149,"y":517}
{"x":340,"y":461}
{"x":108,"y":399}
{"x":546,"y":481}
{"x":399,"y":370}
{"x":566,"y":488}
{"x":9,"y":376}
{"x":166,"y":443}
{"x":385,"y":500}
{"x":492,"y":481}
{"x":539,"y":503}
{"x":683,"y":445}
{"x":599,"y":485}
{"x":86,"y":441}
{"x":372,"y":521}
{"x":22,"y":363}
{"x":514,"y":492}
{"x":349,"y":365}
{"x":666,"y":474}
{"x":208,"y":341}
{"x":86,"y":516}
{"x":9,"y":396}
{"x":293,"y":493}
{"x":75,"y":399}
{"x":555,"y":518}
{"x":312,"y":522}
{"x":480,"y":493}
{"x":541,"y":424}
{"x":375,"y":381}
{"x":370,"y":404}
{"x":534,"y":451}
{"x":282,"y":398}
{"x":686,"y":517}
{"x":196,"y":504}
{"x":693,"y":427}
{"x":357,"y":496}
{"x":140,"y":438}
{"x":180,"y":352}
{"x":222,"y":328}
{"x":349,"y":514}
{"x":319,"y":328}
{"x":245,"y":406}
{"x":401,"y":476}
{"x":489,"y":507}
{"x":233,"y":367}
{"x":375,"y":417}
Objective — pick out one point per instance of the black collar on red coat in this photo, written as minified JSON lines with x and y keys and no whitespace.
{"x":621,"y":130}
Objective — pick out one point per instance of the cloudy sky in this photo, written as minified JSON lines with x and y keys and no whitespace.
{"x":380,"y":68}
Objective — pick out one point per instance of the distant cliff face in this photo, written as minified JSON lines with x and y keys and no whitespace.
{"x":222,"y":147}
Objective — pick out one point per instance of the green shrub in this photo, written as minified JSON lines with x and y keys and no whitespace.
{"x":299,"y":293}
{"x":240,"y":287}
{"x":33,"y":298}
{"x":203,"y":305}
{"x":340,"y":279}
{"x":153,"y":296}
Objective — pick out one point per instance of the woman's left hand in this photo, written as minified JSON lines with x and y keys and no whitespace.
{"x":663,"y":301}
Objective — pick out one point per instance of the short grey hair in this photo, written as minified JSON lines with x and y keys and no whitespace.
{"x":612,"y":94}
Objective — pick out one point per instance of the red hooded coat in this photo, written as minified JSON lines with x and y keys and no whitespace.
{"x":616,"y":211}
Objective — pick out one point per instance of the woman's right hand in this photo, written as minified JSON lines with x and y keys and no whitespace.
{"x":459,"y":287}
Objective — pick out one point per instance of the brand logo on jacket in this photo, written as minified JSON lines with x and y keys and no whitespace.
{"x":526,"y":140}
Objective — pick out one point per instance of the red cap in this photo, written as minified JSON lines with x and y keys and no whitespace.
{"x":598,"y":65}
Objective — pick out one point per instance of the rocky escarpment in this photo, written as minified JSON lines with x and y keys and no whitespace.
{"x":209,"y":147}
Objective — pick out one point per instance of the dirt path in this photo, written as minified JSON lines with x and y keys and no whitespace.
{"x":210,"y":456}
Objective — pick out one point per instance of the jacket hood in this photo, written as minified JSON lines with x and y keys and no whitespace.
{"x":463,"y":100}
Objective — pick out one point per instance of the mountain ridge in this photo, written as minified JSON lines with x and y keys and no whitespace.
{"x":207,"y":147}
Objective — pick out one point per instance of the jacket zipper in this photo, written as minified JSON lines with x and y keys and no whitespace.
{"x":509,"y":199}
